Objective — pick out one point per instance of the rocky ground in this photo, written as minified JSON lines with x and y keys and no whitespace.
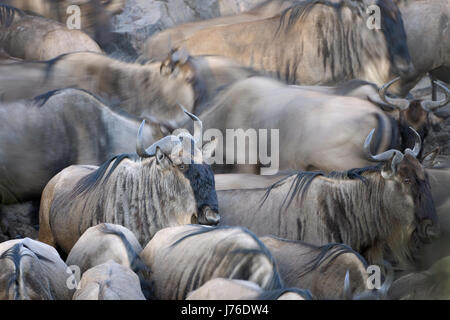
{"x":19,"y":220}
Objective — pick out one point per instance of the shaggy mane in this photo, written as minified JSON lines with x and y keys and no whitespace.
{"x":303,"y":179}
{"x":90,"y":181}
{"x":7,"y":15}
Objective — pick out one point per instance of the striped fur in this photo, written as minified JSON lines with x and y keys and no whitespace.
{"x":30,"y":270}
{"x":59,"y":129}
{"x":315,"y":42}
{"x":138,"y":194}
{"x":320,"y":269}
{"x":105,"y":242}
{"x":358,"y":207}
{"x":184,"y":258}
{"x":8,"y":15}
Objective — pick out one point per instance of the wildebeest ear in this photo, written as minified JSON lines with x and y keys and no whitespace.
{"x":388,"y":172}
{"x":161,"y":158}
{"x":209,"y":148}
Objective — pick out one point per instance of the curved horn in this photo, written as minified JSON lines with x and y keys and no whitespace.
{"x":382,"y":156}
{"x":418,"y":144}
{"x":198,"y":131}
{"x":398,"y":103}
{"x":140,"y":149}
{"x":166,"y":145}
{"x":433,"y":105}
{"x":347,"y":291}
{"x":379,"y":157}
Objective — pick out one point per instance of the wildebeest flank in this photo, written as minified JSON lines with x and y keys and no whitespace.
{"x":184,"y":258}
{"x":146,"y":191}
{"x":35,"y":38}
{"x":316,"y":42}
{"x":368,"y":209}
{"x":41,"y":137}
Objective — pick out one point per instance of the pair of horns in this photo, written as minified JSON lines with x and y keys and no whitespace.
{"x":167,"y":143}
{"x":403,"y":104}
{"x":387,"y":155}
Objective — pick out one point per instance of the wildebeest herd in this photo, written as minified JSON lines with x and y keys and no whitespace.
{"x":136,"y":187}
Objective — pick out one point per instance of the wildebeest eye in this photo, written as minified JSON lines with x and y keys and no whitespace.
{"x":407,"y":181}
{"x":183,"y":167}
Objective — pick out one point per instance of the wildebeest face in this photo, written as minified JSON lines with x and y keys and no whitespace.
{"x":202,"y":182}
{"x":413,"y":182}
{"x":416,"y":117}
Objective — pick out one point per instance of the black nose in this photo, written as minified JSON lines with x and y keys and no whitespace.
{"x":208,"y":216}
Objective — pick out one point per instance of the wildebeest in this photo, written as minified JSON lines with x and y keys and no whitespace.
{"x":428,"y":254}
{"x":431,"y":284}
{"x":109,"y":242}
{"x":109,"y":281}
{"x":419,"y":114}
{"x":95,"y":15}
{"x":152,"y":189}
{"x":183,"y":258}
{"x":369,"y":209}
{"x":321,"y":270}
{"x":428,"y":34}
{"x":152,"y":90}
{"x":30,"y":270}
{"x":41,"y":137}
{"x":233,"y":289}
{"x":104,"y":242}
{"x":316,"y":42}
{"x":159,"y":44}
{"x":316,"y":131}
{"x":34,"y":38}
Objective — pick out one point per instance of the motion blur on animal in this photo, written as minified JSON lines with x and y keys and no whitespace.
{"x":224,"y":150}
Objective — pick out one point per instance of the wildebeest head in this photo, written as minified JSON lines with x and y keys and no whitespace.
{"x":407,"y":188}
{"x":180,"y":64}
{"x":182,"y":151}
{"x":415,"y":113}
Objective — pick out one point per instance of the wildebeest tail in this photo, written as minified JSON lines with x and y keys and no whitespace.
{"x":136,"y":263}
{"x":15,"y":254}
